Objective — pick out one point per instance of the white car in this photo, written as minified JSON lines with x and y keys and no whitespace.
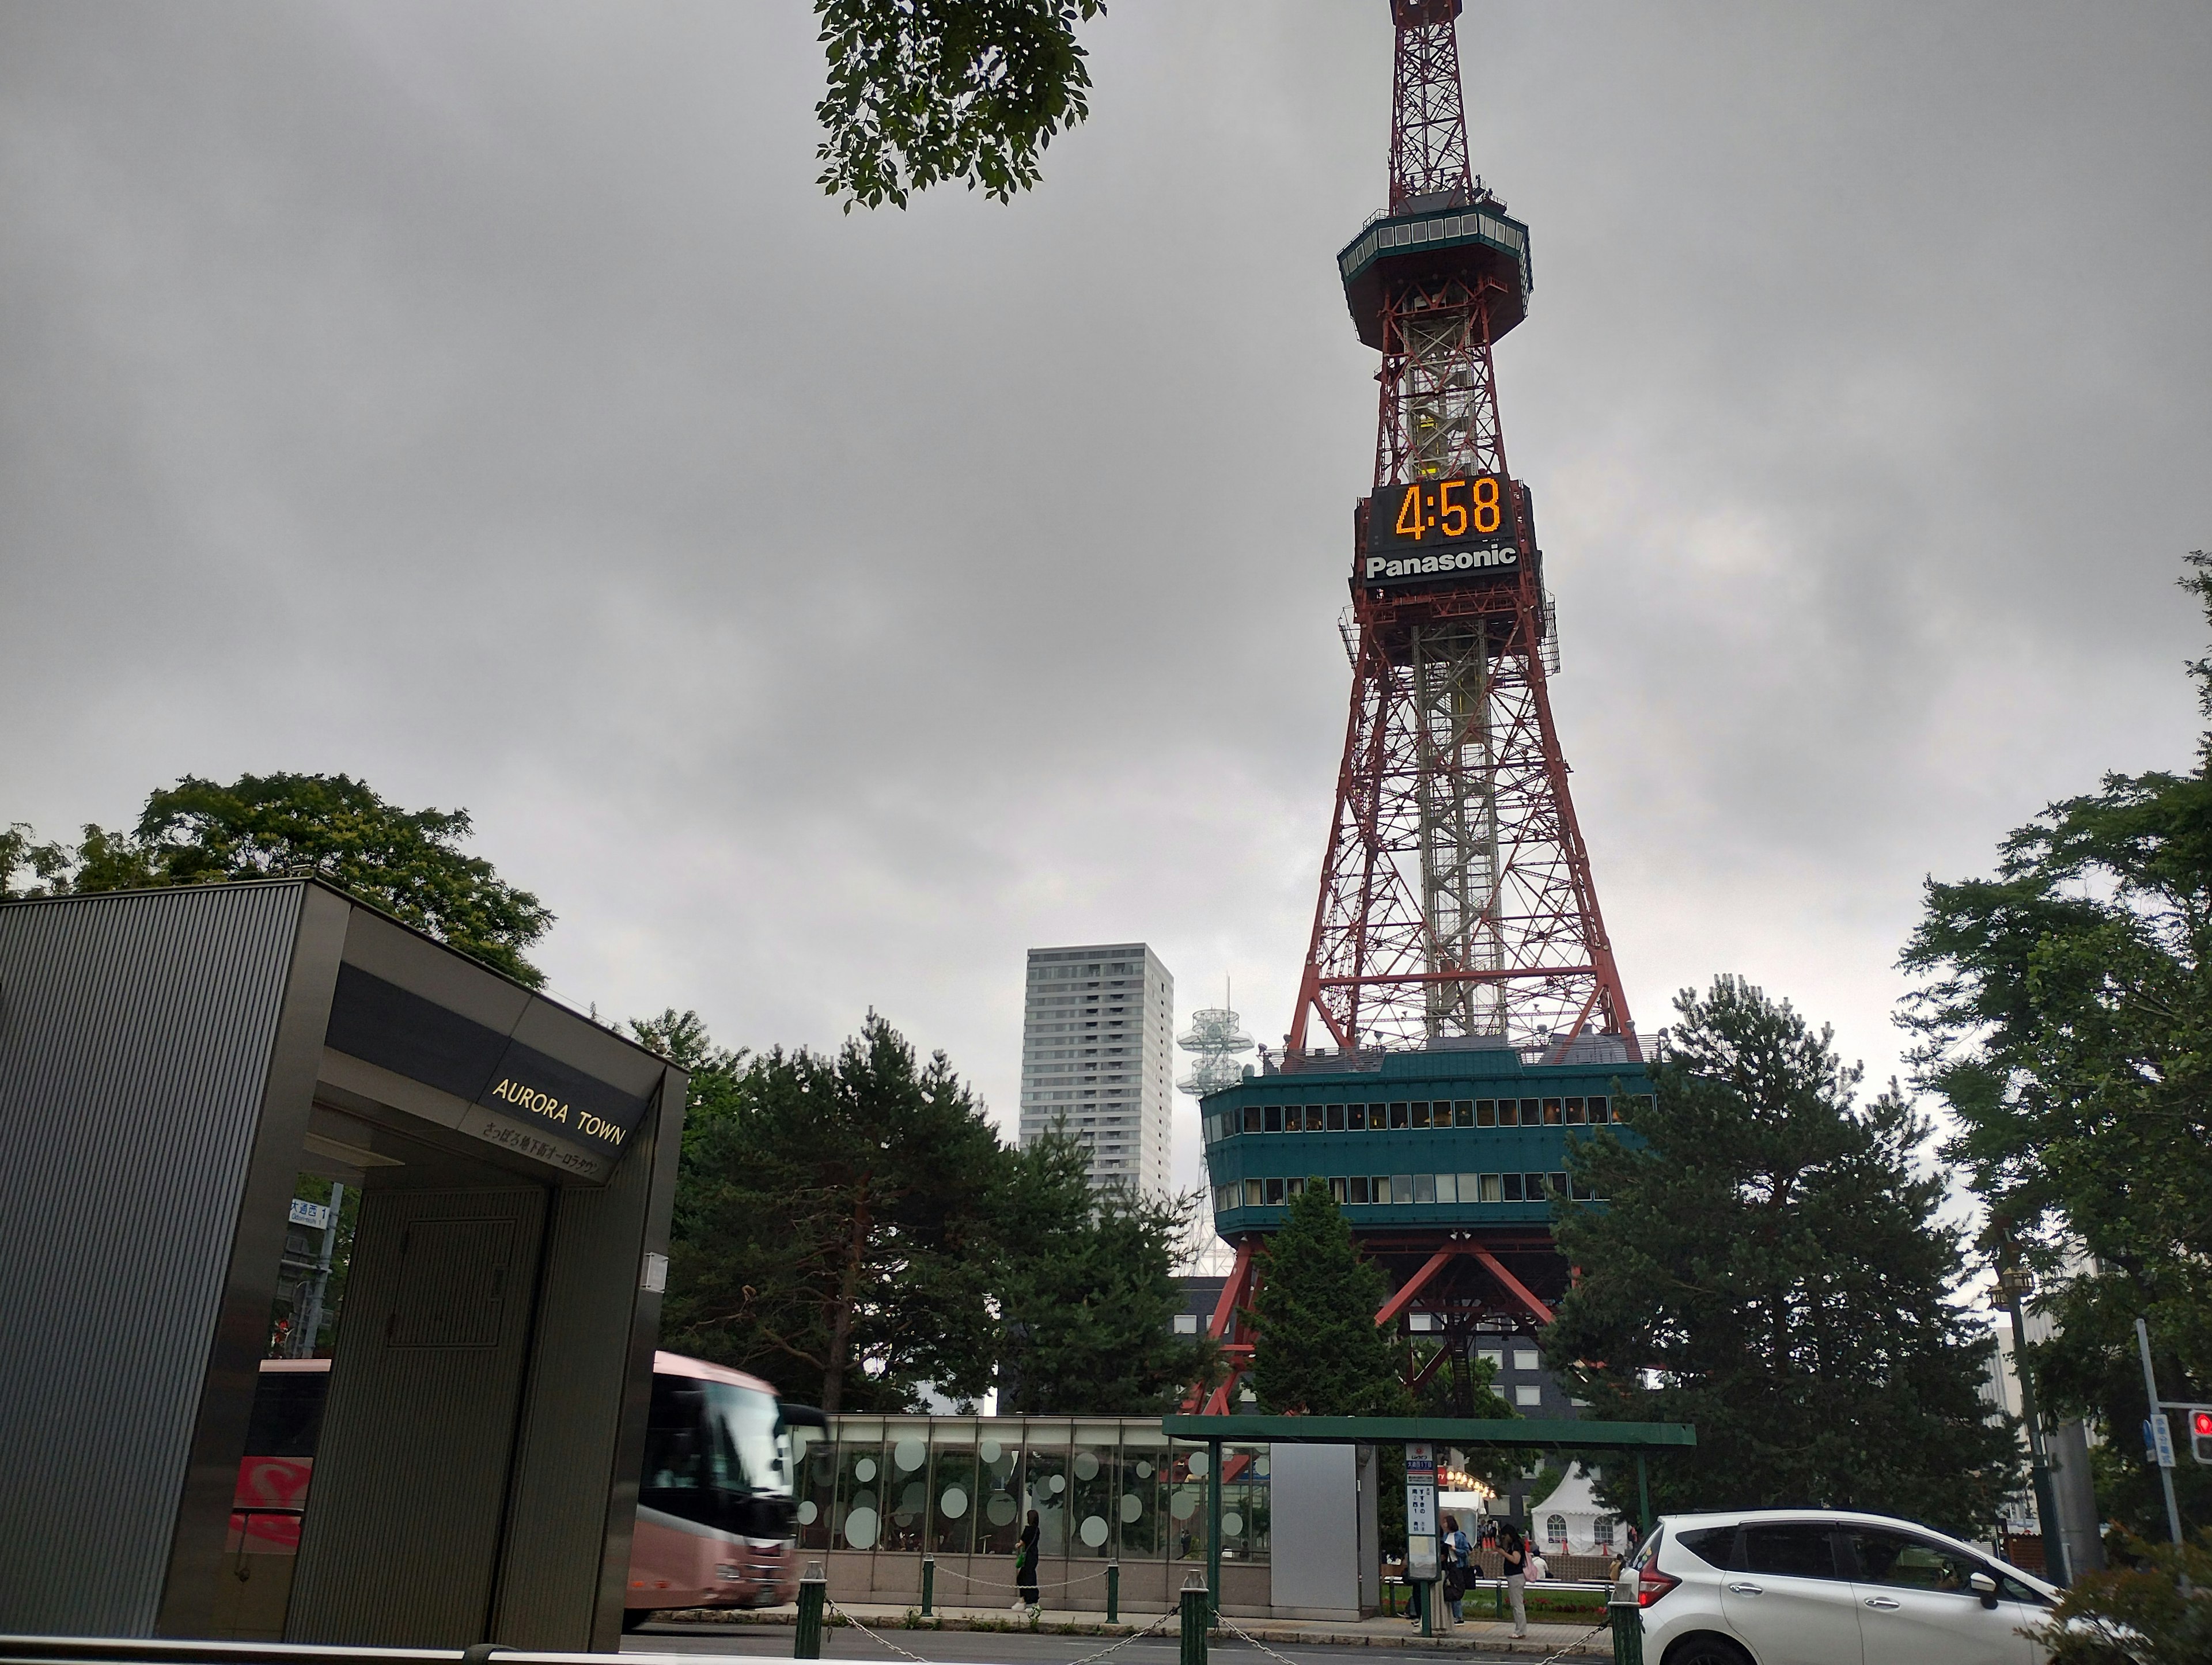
{"x":1824,"y":1587}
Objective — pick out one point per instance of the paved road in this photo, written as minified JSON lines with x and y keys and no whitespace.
{"x":1015,"y":1648}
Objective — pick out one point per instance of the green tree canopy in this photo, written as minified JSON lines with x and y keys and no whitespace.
{"x":1770,"y":1266}
{"x":408,"y":862}
{"x":2065,"y":1016}
{"x":1086,"y":1291}
{"x":924,"y":91}
{"x":850,"y":1227}
{"x":1318,"y":1350}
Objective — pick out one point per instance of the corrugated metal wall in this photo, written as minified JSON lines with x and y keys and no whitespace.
{"x":405,"y":1518}
{"x":134,"y":1041}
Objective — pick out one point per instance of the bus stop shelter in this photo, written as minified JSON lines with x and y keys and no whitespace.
{"x":1494,"y":1433}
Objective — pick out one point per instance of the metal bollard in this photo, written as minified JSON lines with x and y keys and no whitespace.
{"x":806,"y":1635}
{"x":1194,"y":1621}
{"x":1113,"y":1592}
{"x":1626,"y":1618}
{"x":1500,"y":1593}
{"x":928,"y":1583}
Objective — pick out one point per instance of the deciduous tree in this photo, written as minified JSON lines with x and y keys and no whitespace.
{"x":926,"y":91}
{"x":408,"y":862}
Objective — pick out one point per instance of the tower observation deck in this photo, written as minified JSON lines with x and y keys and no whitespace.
{"x":1459,"y":1014}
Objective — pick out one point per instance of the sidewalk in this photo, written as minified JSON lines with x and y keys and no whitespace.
{"x":1489,"y":1634}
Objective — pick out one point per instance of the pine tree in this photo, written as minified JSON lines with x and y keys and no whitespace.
{"x":1319,"y":1351}
{"x":1769,"y":1259}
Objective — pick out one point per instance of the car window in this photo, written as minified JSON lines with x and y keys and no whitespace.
{"x":1905,"y":1562}
{"x":1790,"y":1550}
{"x":1711,"y":1545}
{"x":2013,"y":1590}
{"x":1651,"y":1547}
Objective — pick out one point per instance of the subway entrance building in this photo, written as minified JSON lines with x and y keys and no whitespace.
{"x":171,"y":1063}
{"x":1445,"y":1160}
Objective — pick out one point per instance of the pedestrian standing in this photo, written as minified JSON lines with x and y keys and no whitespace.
{"x":1516,"y":1555}
{"x":1025,"y":1568}
{"x":1459,"y":1551}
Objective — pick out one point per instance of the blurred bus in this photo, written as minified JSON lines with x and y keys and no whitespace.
{"x":715,"y":1518}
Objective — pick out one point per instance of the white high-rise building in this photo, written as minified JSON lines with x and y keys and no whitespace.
{"x":1097,"y":1039}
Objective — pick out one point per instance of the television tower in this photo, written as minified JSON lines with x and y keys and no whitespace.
{"x":1455,"y":900}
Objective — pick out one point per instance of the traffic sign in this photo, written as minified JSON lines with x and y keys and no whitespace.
{"x":314,"y":1215}
{"x":2161,"y":1438}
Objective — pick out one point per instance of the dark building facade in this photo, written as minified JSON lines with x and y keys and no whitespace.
{"x":171,"y":1063}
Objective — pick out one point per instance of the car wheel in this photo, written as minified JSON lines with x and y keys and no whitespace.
{"x":633,"y":1617}
{"x":1706,"y":1650}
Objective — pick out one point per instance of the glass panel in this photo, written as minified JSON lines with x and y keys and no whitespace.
{"x":817,"y":1494}
{"x":1046,"y":1463}
{"x":1140,"y":1510}
{"x":1512,"y":1188}
{"x":1420,"y":1115}
{"x":1244,"y":1502}
{"x":1446,"y":1187}
{"x":1336,"y":1118}
{"x":1292,"y":1186}
{"x":1358,"y":1185}
{"x":1552,"y":1112}
{"x":998,"y":1458}
{"x":1398,"y":1115}
{"x":1094,"y":1491}
{"x":1382,"y":1184}
{"x":1556,"y":1183}
{"x":905,"y":1486}
{"x":1186,"y":1496}
{"x":858,"y":1521}
{"x":1492,"y":1189}
{"x":1274,"y":1118}
{"x":1575,"y":1112}
{"x":1598,"y":1111}
{"x":1485,"y":1113}
{"x":1425,"y":1187}
{"x":1463,"y":1114}
{"x":1255,"y":1195}
{"x":1401,"y":1187}
{"x":1355,"y":1117}
{"x":1336,"y":1190}
{"x":1532,"y":1112}
{"x":953,"y":1490}
{"x":1251,"y":1118}
{"x":1316,"y":1118}
{"x":1274,"y":1191}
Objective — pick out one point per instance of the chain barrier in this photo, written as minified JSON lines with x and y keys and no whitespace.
{"x":894,"y":1647}
{"x":1041,"y":1583}
{"x":1235,"y":1629}
{"x":1085,"y":1659}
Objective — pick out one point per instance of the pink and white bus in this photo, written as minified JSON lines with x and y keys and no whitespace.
{"x":715,"y":1512}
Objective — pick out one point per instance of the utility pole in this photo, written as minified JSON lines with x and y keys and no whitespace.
{"x":2164,"y":1446}
{"x":2015,"y":1284}
{"x":311,"y":1320}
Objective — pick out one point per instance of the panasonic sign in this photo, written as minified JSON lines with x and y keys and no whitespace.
{"x":1378,"y":569}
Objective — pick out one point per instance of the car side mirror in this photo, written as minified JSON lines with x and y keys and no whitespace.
{"x":1983,"y":1586}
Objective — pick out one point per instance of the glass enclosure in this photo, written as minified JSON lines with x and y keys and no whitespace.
{"x":1104,"y":1488}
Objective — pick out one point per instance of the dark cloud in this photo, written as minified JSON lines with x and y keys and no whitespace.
{"x":819,"y":610}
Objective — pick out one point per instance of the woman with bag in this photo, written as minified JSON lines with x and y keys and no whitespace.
{"x":1517,"y":1575}
{"x":1025,"y":1568}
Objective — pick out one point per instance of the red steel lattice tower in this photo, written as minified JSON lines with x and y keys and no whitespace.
{"x":1456,"y":893}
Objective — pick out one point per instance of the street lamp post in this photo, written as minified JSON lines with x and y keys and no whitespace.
{"x":2015,"y":1283}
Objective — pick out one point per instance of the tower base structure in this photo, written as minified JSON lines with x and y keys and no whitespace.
{"x":1447,"y":1161}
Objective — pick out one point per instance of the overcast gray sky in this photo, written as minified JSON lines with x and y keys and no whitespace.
{"x":818,"y":611}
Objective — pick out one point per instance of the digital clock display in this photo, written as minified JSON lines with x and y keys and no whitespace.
{"x":1436,"y":528}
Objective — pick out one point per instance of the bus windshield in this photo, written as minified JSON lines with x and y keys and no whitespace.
{"x":714,"y":1436}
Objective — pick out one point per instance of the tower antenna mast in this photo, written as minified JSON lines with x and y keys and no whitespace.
{"x":1456,"y":900}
